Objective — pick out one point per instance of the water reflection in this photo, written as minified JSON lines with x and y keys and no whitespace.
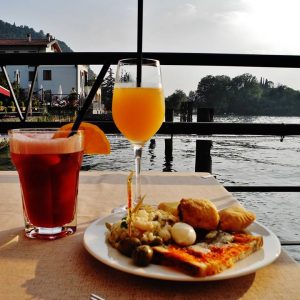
{"x":168,"y":161}
{"x":152,"y":156}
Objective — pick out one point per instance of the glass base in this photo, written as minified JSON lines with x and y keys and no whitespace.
{"x":49,"y":233}
{"x":122,"y":209}
{"x":119,"y":210}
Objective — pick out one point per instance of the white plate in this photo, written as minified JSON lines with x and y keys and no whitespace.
{"x":96,"y":244}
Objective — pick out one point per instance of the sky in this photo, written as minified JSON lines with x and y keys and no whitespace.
{"x":201,"y":26}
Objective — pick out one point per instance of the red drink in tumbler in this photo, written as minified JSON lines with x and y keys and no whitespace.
{"x":48,"y":170}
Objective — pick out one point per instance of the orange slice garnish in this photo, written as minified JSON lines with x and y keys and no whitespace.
{"x":95,"y":140}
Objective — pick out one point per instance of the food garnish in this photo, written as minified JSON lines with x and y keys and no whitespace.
{"x":129,"y":202}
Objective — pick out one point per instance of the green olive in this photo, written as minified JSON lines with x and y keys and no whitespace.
{"x":142,"y":255}
{"x":144,"y":241}
{"x":128,"y":245}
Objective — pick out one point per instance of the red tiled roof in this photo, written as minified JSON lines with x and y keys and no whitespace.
{"x":32,"y":42}
{"x":23,"y":42}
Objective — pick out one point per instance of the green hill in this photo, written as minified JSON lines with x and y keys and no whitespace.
{"x":11,"y":31}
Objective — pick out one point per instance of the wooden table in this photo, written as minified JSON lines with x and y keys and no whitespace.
{"x":63,"y":269}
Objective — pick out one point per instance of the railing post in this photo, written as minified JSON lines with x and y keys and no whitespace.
{"x":203,"y":161}
{"x":30,"y":93}
{"x":169,"y":117}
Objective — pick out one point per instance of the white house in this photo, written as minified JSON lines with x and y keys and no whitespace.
{"x":54,"y":78}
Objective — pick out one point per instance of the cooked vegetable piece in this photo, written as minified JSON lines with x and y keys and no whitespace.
{"x":142,"y":255}
{"x":128,"y":245}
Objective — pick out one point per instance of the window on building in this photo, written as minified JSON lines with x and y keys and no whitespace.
{"x":30,"y":75}
{"x":47,"y":75}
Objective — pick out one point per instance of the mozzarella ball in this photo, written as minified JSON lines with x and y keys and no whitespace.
{"x":183,"y":234}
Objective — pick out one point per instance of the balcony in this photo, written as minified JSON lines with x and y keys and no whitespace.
{"x":170,"y":129}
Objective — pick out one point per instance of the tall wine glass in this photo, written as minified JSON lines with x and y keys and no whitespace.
{"x":138,"y":106}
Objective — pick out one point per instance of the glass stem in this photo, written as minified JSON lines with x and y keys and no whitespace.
{"x":137,"y":157}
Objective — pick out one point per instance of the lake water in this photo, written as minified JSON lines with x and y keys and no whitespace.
{"x":245,"y":160}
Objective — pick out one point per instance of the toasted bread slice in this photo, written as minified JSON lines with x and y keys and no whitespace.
{"x":205,"y":259}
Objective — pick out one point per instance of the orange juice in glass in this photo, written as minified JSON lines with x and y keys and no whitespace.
{"x":48,"y":168}
{"x":138,"y":112}
{"x":138,"y":106}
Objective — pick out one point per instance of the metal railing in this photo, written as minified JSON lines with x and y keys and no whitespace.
{"x":179,"y":59}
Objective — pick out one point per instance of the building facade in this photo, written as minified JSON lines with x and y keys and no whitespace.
{"x":54,"y":79}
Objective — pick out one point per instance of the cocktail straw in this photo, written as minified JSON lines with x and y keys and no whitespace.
{"x":139,"y":43}
{"x":89,"y":98}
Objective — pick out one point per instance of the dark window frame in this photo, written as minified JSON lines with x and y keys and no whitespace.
{"x":30,"y":76}
{"x":47,"y":75}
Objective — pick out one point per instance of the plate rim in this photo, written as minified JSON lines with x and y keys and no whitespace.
{"x":179,"y":276}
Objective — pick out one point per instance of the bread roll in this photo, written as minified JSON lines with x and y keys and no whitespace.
{"x":199,"y":213}
{"x":235,"y":218}
{"x":170,"y":207}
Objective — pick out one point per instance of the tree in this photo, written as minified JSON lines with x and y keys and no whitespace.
{"x":241,"y":95}
{"x":107,"y":88}
{"x":212,"y":91}
{"x":19,"y":93}
{"x":246,"y":94}
{"x":265,"y":83}
{"x":174,"y":101}
{"x":192,"y":96}
{"x":3,"y":80}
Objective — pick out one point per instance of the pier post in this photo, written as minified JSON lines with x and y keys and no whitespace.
{"x":183,"y":112}
{"x":168,"y":155}
{"x":203,"y":157}
{"x":152,"y":144}
{"x":190,"y":107}
{"x":203,"y":161}
{"x":205,"y":114}
{"x":186,"y":111}
{"x":169,"y":117}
